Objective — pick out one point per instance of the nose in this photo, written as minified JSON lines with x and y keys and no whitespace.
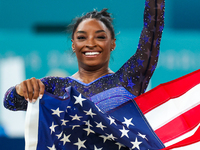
{"x":91,"y":43}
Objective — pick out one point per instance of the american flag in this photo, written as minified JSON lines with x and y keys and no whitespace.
{"x":173,"y":109}
{"x":72,"y":122}
{"x":171,"y":117}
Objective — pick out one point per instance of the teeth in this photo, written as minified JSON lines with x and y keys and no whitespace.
{"x":91,"y":53}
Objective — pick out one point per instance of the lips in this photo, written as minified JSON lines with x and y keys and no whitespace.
{"x":91,"y":53}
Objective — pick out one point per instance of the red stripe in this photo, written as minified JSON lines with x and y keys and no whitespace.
{"x":190,"y":140}
{"x":166,"y":91}
{"x":180,"y":125}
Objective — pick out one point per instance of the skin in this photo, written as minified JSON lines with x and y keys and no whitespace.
{"x":91,"y":35}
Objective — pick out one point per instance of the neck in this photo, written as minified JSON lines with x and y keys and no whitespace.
{"x":86,"y":76}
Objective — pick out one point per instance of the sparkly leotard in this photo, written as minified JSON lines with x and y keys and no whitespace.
{"x":129,"y":81}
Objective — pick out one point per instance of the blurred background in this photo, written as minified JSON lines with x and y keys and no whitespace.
{"x":34,"y":43}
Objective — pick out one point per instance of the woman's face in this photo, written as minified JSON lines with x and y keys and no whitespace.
{"x":92,"y":44}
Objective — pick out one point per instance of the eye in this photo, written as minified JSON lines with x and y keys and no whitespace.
{"x":101,"y":37}
{"x":80,"y":37}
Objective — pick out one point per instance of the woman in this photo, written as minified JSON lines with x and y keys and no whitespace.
{"x":93,"y":40}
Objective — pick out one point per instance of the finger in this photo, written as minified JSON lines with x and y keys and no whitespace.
{"x":42,"y":88}
{"x":19,"y":90}
{"x":36,"y":89}
{"x":24,"y":89}
{"x":30,"y":89}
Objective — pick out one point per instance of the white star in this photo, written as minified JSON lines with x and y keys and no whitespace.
{"x":52,"y":148}
{"x":112,"y":120}
{"x":143,"y":136}
{"x":136,"y":144}
{"x":88,"y":131}
{"x":124,"y":132}
{"x":80,"y":144}
{"x":95,"y":148}
{"x":56,"y":112}
{"x":104,"y":138}
{"x":74,"y":126}
{"x":65,"y":139}
{"x":120,"y":145}
{"x":90,"y":112}
{"x":79,"y":100}
{"x":52,"y":127}
{"x":128,"y":122}
{"x":76,"y":117}
{"x":110,"y":136}
{"x":59,"y":135}
{"x":64,"y":122}
{"x":88,"y":123}
{"x":99,"y":125}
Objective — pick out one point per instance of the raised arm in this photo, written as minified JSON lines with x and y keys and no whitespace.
{"x":137,"y":71}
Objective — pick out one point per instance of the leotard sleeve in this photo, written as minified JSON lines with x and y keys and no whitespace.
{"x":135,"y":74}
{"x":13,"y":101}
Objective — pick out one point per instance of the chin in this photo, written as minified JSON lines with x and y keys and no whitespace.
{"x":93,"y":66}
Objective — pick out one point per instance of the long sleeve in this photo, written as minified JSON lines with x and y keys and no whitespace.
{"x":134,"y":75}
{"x":137,"y":71}
{"x":13,"y":101}
{"x":53,"y":85}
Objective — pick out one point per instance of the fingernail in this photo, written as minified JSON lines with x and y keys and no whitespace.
{"x":34,"y":100}
{"x":40,"y":96}
{"x":27,"y":99}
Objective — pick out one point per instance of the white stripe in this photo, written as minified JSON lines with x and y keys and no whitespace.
{"x":31,"y":126}
{"x":173,"y":108}
{"x":188,"y":134}
{"x":194,"y":146}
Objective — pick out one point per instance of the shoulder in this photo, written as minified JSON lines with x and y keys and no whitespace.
{"x":54,"y":79}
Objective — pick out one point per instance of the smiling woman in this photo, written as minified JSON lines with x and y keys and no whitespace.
{"x":92,"y":44}
{"x":93,"y":39}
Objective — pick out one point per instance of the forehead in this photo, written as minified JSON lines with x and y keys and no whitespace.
{"x":91,"y":24}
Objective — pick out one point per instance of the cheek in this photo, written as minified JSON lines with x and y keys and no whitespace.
{"x":78,"y":45}
{"x":105,"y":45}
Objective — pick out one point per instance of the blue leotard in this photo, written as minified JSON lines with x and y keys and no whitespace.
{"x":129,"y":81}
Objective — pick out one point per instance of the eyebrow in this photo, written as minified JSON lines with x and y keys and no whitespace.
{"x":80,"y":32}
{"x":98,"y":31}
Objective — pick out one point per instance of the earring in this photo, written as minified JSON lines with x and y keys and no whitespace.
{"x":74,"y":50}
{"x":112,"y":49}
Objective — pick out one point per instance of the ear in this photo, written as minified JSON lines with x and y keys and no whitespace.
{"x":73,"y":46}
{"x":113,"y":44}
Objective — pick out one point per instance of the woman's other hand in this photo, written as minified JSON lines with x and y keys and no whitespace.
{"x":31,"y":89}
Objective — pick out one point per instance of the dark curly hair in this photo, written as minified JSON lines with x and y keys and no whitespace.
{"x":102,"y":16}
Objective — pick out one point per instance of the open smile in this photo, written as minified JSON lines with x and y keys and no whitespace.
{"x":91,"y":53}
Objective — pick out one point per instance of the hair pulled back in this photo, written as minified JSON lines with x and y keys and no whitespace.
{"x":102,"y":16}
